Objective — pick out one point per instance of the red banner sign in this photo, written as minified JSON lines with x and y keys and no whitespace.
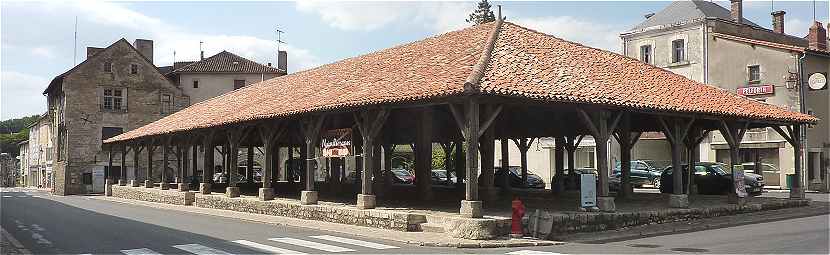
{"x":757,"y":90}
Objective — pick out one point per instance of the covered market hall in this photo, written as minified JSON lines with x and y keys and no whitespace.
{"x":468,"y":88}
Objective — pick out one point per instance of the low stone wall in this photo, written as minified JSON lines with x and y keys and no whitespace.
{"x":153,"y":195}
{"x":489,"y":227}
{"x":559,"y":223}
{"x":400,"y":221}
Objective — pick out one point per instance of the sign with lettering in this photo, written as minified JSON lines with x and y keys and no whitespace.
{"x":588,"y":190}
{"x":757,"y":90}
{"x":337,"y":143}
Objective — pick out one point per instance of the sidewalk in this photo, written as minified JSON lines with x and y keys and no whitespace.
{"x":814,"y":209}
{"x":415,"y":238}
{"x":9,"y":245}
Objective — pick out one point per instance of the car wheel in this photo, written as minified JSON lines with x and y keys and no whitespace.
{"x":656,"y":183}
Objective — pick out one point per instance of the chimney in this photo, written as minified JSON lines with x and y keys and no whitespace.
{"x":92,"y":51}
{"x":145,"y":47}
{"x":737,"y":11}
{"x":778,"y":21}
{"x":269,"y":64}
{"x":817,"y":37}
{"x":648,"y":15}
{"x":202,"y":55}
{"x":282,"y":63}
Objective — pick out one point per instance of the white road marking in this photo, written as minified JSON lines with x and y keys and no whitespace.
{"x":142,"y":251}
{"x":8,"y":196}
{"x":40,"y":239}
{"x":310,"y":244}
{"x":531,"y":252}
{"x":198,"y":249}
{"x":37,"y":227}
{"x":355,"y":242}
{"x":21,"y":196}
{"x":267,"y":248}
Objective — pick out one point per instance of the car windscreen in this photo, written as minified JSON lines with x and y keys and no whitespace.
{"x":401,"y":172}
{"x":718,"y":169}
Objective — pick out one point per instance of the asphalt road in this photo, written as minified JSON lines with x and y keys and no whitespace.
{"x":47,"y":224}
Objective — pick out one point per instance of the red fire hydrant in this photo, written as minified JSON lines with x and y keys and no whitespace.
{"x":516,"y":228}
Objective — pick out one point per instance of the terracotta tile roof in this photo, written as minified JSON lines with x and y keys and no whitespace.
{"x":523,"y":64}
{"x":224,"y":62}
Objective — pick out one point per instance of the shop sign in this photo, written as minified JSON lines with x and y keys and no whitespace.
{"x":738,"y":179}
{"x":757,"y":90}
{"x":588,"y":190}
{"x":337,"y":143}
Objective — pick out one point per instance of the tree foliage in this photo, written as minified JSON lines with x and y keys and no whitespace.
{"x":14,"y":131}
{"x":482,"y":14}
{"x":16,"y":125}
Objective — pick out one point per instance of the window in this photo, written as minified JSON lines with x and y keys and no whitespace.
{"x":108,"y":67}
{"x":678,"y":51}
{"x":133,"y":69}
{"x":754,"y":73}
{"x":645,"y":53}
{"x":238,"y":84}
{"x":110,"y":132}
{"x":166,"y":103}
{"x":113,"y":99}
{"x":195,"y":84}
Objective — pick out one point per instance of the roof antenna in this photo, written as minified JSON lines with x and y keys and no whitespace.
{"x":75,"y":46}
{"x":174,"y":57}
{"x":279,"y":42}
{"x":814,"y":10}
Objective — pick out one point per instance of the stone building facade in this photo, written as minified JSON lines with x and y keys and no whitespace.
{"x":40,"y":153}
{"x":714,"y":45}
{"x":114,"y":90}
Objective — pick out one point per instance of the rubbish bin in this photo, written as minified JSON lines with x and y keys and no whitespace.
{"x":790,"y":180}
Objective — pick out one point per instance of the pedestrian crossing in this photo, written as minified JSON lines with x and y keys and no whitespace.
{"x":325,"y":244}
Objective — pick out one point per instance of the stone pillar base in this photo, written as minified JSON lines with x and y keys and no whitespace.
{"x":164,"y":186}
{"x":606,"y":204}
{"x":204,"y":188}
{"x":148,"y":184}
{"x":232,"y":192}
{"x":472,"y":209}
{"x":308,"y":197}
{"x":108,"y":187}
{"x":183,"y":187}
{"x":796,"y":193}
{"x":678,"y":201}
{"x":122,"y":182}
{"x":266,"y":194}
{"x":365,"y":201}
{"x":133,"y":183}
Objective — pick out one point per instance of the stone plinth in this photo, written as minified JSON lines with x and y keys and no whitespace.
{"x":232,"y":192}
{"x":204,"y":188}
{"x":148,"y":184}
{"x":154,"y":195}
{"x":472,"y":209}
{"x":108,"y":187}
{"x":308,"y":197}
{"x":266,"y":194}
{"x":678,"y":201}
{"x":134,"y":183}
{"x":122,"y":182}
{"x":365,"y":201}
{"x":164,"y":186}
{"x":183,"y":187}
{"x":606,"y":204}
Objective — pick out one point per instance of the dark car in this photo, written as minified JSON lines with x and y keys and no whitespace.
{"x":712,"y":178}
{"x":642,"y":172}
{"x":515,"y":178}
{"x":442,"y":177}
{"x":402,"y":176}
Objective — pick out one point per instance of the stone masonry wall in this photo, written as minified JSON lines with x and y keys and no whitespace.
{"x":153,"y":195}
{"x":336,"y":214}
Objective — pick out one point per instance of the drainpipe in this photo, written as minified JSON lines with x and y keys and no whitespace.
{"x":802,"y":97}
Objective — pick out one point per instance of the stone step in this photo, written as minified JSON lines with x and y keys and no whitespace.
{"x":432,"y":228}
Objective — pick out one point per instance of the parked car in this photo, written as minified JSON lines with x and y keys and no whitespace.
{"x":769,"y":171}
{"x":642,"y":172}
{"x":402,"y":176}
{"x":515,"y":176}
{"x":712,"y":178}
{"x":442,"y":177}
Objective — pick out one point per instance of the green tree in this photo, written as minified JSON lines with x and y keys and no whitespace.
{"x":482,"y":14}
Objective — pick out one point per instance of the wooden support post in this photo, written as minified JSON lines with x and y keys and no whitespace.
{"x":179,"y":164}
{"x":207,"y":173}
{"x":626,"y":139}
{"x":107,"y":174}
{"x":693,"y":140}
{"x":793,"y":136}
{"x":571,"y":144}
{"x":447,"y":147}
{"x":165,"y":151}
{"x":136,"y":156}
{"x":423,"y":153}
{"x":472,"y":130}
{"x":194,"y":161}
{"x":235,"y":137}
{"x":123,"y":180}
{"x":733,"y":133}
{"x":311,"y":127}
{"x":523,"y":144}
{"x":269,"y":133}
{"x":505,"y":164}
{"x":151,"y":149}
{"x":249,"y":165}
{"x":676,"y":131}
{"x":388,"y":148}
{"x":558,"y":164}
{"x":487,"y":148}
{"x":602,"y":124}
{"x":370,"y":123}
{"x":459,"y":165}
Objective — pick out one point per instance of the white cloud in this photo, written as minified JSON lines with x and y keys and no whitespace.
{"x":797,"y":27}
{"x":367,"y":16}
{"x":597,"y":35}
{"x":43,"y":52}
{"x":20,"y":94}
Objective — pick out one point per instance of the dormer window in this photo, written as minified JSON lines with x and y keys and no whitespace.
{"x":108,"y":67}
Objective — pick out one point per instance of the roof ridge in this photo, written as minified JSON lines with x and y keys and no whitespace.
{"x":473,"y":81}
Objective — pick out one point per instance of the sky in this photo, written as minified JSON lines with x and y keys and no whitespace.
{"x":37,"y":37}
